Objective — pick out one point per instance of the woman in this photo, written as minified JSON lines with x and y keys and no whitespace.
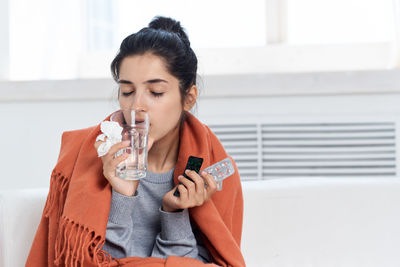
{"x":93,"y":218}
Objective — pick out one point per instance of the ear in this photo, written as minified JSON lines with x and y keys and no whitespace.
{"x":190,"y":98}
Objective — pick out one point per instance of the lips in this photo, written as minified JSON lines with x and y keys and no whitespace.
{"x":141,"y":122}
{"x":139,"y":119}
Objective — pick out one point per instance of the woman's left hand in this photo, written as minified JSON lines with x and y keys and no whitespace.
{"x":192,"y":194}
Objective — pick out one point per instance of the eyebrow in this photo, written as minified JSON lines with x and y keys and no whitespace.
{"x":148,"y":81}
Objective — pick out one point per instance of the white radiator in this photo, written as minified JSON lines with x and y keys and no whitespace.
{"x":317,"y":149}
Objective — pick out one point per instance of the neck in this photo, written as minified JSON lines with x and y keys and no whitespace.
{"x":164,"y":153}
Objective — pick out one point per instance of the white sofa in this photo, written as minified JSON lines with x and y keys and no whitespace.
{"x":297,"y":222}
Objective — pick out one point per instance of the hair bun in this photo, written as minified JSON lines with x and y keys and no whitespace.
{"x":169,"y":25}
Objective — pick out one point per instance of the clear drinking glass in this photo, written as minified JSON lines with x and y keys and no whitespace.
{"x":135,"y":126}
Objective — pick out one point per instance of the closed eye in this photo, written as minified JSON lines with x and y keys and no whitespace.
{"x":127,"y":93}
{"x":157,"y":94}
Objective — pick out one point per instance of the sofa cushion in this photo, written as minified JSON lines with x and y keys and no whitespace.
{"x":324,"y":222}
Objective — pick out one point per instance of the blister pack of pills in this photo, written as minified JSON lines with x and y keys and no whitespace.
{"x":220,"y":171}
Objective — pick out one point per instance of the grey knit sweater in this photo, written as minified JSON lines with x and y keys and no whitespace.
{"x":138,"y":227}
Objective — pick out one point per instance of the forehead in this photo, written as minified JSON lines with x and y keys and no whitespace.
{"x":143,"y":67}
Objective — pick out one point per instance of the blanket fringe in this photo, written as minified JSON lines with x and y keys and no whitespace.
{"x":74,"y":241}
{"x":57,"y":193}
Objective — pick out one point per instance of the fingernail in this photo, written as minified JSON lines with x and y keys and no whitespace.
{"x":187,"y":171}
{"x":126,"y":142}
{"x":203,"y":173}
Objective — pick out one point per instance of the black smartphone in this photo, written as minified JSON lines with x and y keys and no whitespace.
{"x":193,"y":163}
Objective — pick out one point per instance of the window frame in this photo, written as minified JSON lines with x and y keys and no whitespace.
{"x":5,"y":44}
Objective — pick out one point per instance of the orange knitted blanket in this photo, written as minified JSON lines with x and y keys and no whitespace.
{"x":74,"y":221}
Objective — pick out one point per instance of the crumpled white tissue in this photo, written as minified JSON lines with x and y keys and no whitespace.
{"x":113,"y":131}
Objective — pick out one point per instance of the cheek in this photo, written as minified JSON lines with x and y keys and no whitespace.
{"x":165,"y":118}
{"x":125,"y":102}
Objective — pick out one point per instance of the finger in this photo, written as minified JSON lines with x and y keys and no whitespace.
{"x":190,"y":186}
{"x":114,"y":162}
{"x":116,"y":147}
{"x":184,"y":194}
{"x":199,"y":182}
{"x":211,"y":183}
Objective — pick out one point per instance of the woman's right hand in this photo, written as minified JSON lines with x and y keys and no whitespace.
{"x":110,"y":163}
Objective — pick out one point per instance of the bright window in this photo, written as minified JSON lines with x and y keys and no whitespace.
{"x":62,"y":39}
{"x":209,"y":23}
{"x":340,"y":21}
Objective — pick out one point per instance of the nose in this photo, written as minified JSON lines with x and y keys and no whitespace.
{"x":139,"y":102}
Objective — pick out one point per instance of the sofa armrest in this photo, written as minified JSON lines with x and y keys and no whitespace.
{"x":20,"y":213}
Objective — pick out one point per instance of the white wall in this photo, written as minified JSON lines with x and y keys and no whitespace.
{"x":31,"y":131}
{"x":36,"y":113}
{"x":31,"y":136}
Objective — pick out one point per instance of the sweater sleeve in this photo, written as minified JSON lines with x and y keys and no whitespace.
{"x":177,"y":238}
{"x":120,"y":226}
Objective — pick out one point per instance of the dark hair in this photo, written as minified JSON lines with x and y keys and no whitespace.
{"x":166,"y":38}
